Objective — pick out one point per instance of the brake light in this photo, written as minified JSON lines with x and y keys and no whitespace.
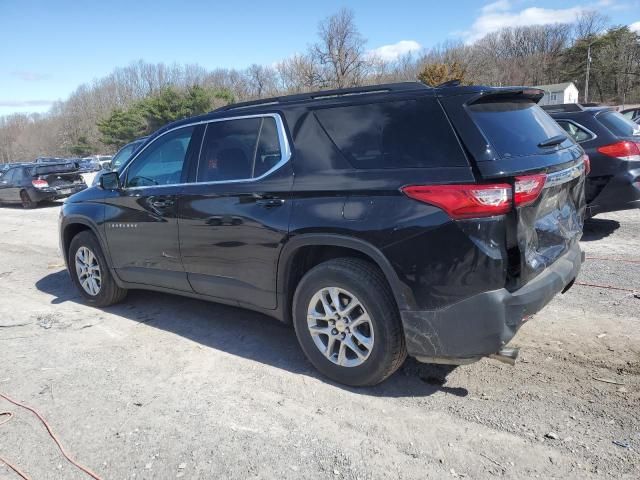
{"x":527,"y":188}
{"x":464,"y":201}
{"x":39,"y":183}
{"x":624,"y":150}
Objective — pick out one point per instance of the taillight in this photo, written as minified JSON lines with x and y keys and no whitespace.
{"x":624,"y":150}
{"x":464,"y":201}
{"x":527,"y":189}
{"x":39,"y":183}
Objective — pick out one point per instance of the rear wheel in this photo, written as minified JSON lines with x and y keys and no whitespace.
{"x":26,"y":201}
{"x":347,"y":322}
{"x":90,"y":273}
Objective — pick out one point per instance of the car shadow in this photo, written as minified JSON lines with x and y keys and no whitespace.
{"x":247,"y":334}
{"x":39,"y":206}
{"x":598,"y":228}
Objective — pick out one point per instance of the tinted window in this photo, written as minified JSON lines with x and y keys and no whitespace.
{"x":403,"y":134}
{"x":161,"y":163}
{"x":239,"y":149}
{"x":515,"y":128}
{"x":578,"y":133}
{"x":618,"y":125}
{"x":9,"y":175}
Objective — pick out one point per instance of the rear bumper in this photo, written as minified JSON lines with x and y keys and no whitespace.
{"x":44,"y":194}
{"x":481,"y":325}
{"x":622,"y":192}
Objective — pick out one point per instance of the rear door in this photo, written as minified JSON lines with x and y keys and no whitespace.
{"x":234,"y":216}
{"x":141,"y":220}
{"x":510,"y":137}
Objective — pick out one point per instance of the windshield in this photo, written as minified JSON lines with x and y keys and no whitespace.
{"x":619,"y":125}
{"x":517,"y":127}
{"x":123,"y":155}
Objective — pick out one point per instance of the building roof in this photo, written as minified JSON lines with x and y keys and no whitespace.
{"x":555,"y":87}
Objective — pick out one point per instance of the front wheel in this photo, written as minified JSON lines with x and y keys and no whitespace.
{"x":347,"y":322}
{"x":90,"y":272}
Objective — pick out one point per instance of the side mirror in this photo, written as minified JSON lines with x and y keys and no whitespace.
{"x":110,"y":181}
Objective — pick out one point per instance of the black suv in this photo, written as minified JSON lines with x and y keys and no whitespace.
{"x":380,"y":221}
{"x":32,"y":183}
{"x":612,"y":143}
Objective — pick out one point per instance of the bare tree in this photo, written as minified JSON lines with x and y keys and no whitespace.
{"x":341,"y":51}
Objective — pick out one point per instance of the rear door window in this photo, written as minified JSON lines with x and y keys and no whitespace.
{"x":577,"y":132}
{"x":239,"y":149}
{"x":618,"y":125}
{"x":400,"y":134}
{"x":516,"y":127}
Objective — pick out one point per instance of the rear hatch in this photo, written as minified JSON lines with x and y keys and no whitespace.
{"x":511,"y":139}
{"x":64,"y":178}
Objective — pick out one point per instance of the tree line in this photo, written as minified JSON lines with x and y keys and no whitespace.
{"x":132,"y":101}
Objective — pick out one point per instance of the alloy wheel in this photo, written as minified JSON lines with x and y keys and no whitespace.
{"x":88,"y":271}
{"x":340,"y":326}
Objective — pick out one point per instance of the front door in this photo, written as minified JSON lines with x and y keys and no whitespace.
{"x":141,"y":218}
{"x":234,"y":217}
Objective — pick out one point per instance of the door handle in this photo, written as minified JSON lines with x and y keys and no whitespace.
{"x":270,"y":202}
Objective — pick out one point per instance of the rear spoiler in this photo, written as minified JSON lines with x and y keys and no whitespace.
{"x":480,"y":93}
{"x":507,"y":93}
{"x":50,"y":169}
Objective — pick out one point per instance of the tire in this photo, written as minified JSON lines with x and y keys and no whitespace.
{"x":108,"y":292}
{"x":358,"y":281}
{"x":26,"y":201}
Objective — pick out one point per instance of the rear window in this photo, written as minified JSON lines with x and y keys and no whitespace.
{"x":402,"y":134}
{"x":618,"y":125}
{"x":515,"y":128}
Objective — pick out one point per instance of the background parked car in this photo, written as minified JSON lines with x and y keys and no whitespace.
{"x":613,"y":145}
{"x":632,"y":114}
{"x":30,"y":184}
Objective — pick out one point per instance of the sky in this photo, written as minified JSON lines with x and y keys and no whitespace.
{"x":50,"y":47}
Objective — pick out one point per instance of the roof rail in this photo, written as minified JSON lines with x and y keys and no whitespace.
{"x":326,"y":94}
{"x":563,"y":107}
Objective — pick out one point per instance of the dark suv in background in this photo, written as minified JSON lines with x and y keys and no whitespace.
{"x":380,"y":221}
{"x":612,"y":143}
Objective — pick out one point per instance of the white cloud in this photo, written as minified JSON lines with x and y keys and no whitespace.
{"x":499,"y":6}
{"x":500,"y":14}
{"x":396,"y":50}
{"x":635,"y":27}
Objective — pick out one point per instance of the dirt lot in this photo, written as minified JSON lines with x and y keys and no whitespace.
{"x":165,"y":387}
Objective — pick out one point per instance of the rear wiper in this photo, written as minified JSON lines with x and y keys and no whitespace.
{"x":550,"y":142}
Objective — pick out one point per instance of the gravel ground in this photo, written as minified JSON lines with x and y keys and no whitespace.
{"x":168,"y":387}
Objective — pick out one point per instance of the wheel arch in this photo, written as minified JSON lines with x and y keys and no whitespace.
{"x":349,"y":246}
{"x":71,"y":227}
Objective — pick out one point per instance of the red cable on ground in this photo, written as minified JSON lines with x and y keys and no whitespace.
{"x":53,"y":436}
{"x":607,"y":287}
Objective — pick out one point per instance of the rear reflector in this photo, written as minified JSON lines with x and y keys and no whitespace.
{"x":587,"y":164}
{"x":624,"y":150}
{"x":464,"y":201}
{"x":39,"y":183}
{"x":528,"y":188}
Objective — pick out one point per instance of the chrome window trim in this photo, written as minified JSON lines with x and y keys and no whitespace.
{"x":563,"y":176}
{"x":285,"y":151}
{"x":581,"y":127}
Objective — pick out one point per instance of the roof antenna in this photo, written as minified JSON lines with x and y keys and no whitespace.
{"x":450,"y":83}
